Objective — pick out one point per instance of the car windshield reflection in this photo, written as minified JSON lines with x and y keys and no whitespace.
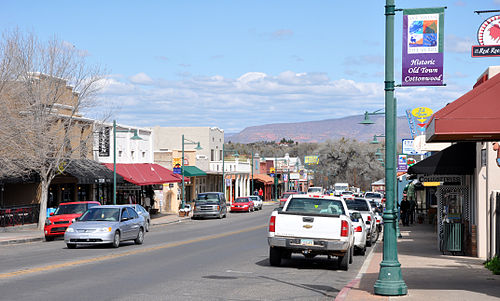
{"x":101,"y":214}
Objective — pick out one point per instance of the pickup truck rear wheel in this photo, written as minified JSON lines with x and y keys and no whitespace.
{"x":344,"y":261}
{"x":275,"y":256}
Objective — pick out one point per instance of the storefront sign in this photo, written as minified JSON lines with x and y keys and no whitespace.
{"x":488,"y":37}
{"x":177,"y":164}
{"x":423,"y":37}
{"x":311,"y":160}
{"x":408,"y":148}
{"x":104,"y":142}
{"x":422,"y":114}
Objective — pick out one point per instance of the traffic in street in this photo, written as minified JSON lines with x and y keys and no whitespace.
{"x":202,"y":259}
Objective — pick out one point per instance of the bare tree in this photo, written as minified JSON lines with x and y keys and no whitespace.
{"x":43,"y":88}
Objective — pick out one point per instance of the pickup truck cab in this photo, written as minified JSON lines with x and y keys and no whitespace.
{"x":311,"y":225}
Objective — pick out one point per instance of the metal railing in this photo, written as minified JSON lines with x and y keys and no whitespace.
{"x":19,"y":215}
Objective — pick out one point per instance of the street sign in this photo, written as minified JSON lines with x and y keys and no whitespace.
{"x":488,"y":37}
{"x":272,"y":170}
{"x":402,"y":163}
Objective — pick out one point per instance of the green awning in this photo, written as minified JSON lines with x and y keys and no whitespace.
{"x":193,"y":171}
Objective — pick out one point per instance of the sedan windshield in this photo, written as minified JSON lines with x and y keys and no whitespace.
{"x":315,"y":206}
{"x":242,"y":200}
{"x":101,"y":214}
{"x":71,"y":209}
{"x":358,"y":205}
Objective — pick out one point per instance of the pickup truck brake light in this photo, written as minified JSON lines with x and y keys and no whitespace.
{"x":272,"y":223}
{"x":369,"y":218}
{"x":358,"y":229}
{"x":344,"y":229}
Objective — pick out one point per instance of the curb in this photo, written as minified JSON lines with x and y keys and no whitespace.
{"x":21,"y":240}
{"x":344,"y":292}
{"x":169,"y":222}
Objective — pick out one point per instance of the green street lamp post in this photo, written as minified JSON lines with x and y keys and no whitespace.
{"x":135,"y":137}
{"x":198,"y":147}
{"x":390,"y":280}
{"x":375,"y":141}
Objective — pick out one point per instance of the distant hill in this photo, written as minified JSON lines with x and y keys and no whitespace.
{"x":319,"y":131}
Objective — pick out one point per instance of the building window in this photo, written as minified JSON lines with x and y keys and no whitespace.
{"x":120,"y":153}
{"x":143,"y":154}
{"x":220,"y":155}
{"x":132,"y":155}
{"x":212,"y":155}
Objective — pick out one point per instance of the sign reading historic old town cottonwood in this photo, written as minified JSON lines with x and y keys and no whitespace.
{"x":423,"y":32}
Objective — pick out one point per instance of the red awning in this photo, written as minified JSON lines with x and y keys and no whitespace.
{"x":145,"y":173}
{"x":474,"y":116}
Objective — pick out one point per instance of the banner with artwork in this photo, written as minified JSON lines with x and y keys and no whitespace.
{"x":423,"y":43}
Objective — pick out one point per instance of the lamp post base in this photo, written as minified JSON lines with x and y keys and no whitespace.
{"x":390,"y":282}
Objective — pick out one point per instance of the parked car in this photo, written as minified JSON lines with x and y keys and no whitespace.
{"x":285,"y":197}
{"x":360,"y":233}
{"x":257,"y":202}
{"x":315,"y":190}
{"x":363,"y":206}
{"x":109,"y":224}
{"x":58,"y":221}
{"x":311,"y":225}
{"x":347,"y":195}
{"x":378,"y":209}
{"x":210,"y":204}
{"x":144,"y":213}
{"x":242,"y":204}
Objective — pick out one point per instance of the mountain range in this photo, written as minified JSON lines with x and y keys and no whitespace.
{"x":319,"y":131}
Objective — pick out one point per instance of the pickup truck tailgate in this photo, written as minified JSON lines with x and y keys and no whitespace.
{"x":291,"y":225}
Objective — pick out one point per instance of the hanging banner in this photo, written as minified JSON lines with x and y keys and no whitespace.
{"x":423,"y":38}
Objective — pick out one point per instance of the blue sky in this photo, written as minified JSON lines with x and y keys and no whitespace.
{"x":234,"y":64}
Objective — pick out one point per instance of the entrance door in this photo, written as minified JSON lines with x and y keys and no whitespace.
{"x":453,"y":207}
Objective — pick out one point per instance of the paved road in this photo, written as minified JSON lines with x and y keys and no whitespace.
{"x":194,"y":260}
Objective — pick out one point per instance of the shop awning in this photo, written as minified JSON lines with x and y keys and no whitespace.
{"x":91,"y":172}
{"x":458,"y":159}
{"x":193,"y":171}
{"x":263,"y":178}
{"x":144,"y":173}
{"x":472,"y":117}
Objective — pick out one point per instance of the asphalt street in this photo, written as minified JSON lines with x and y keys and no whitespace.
{"x":193,"y":260}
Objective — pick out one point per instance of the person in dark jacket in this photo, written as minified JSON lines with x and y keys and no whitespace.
{"x":405,"y":211}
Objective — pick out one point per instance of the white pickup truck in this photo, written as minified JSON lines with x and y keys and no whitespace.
{"x":311,"y":225}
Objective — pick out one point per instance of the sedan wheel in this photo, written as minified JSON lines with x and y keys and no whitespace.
{"x":116,"y":240}
{"x":140,"y":237}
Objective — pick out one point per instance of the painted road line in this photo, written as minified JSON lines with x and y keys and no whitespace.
{"x":128,"y":253}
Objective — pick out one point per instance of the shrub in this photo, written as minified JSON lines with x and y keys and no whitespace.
{"x":493,"y":265}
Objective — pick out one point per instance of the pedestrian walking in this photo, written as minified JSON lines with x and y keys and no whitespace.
{"x":405,"y":211}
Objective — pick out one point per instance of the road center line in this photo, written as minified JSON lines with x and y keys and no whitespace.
{"x":128,"y":253}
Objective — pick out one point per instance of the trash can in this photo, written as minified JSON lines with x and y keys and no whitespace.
{"x":453,"y":237}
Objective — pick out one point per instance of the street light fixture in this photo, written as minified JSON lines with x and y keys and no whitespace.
{"x":375,"y":141}
{"x":135,"y":137}
{"x":367,"y":120}
{"x":198,"y":147}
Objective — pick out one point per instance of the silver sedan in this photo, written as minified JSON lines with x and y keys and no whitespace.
{"x":108,"y":224}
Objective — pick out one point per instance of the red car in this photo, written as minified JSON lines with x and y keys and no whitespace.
{"x":242,"y":204}
{"x":285,"y":197}
{"x":58,"y":221}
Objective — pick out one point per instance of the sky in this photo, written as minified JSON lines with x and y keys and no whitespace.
{"x":235,"y":64}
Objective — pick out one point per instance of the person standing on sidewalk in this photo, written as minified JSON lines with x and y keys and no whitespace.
{"x":405,"y":211}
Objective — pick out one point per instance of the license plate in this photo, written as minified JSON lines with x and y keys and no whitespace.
{"x":307,"y":242}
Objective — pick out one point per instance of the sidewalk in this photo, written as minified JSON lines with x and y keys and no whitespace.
{"x":30,"y":233}
{"x":428,"y":274}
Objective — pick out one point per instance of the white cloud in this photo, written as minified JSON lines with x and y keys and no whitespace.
{"x":255,"y":98}
{"x":282,"y":34}
{"x":141,"y":78}
{"x":457,"y":44}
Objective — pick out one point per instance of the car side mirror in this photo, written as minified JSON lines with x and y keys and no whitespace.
{"x":52,"y":213}
{"x":125,"y":219}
